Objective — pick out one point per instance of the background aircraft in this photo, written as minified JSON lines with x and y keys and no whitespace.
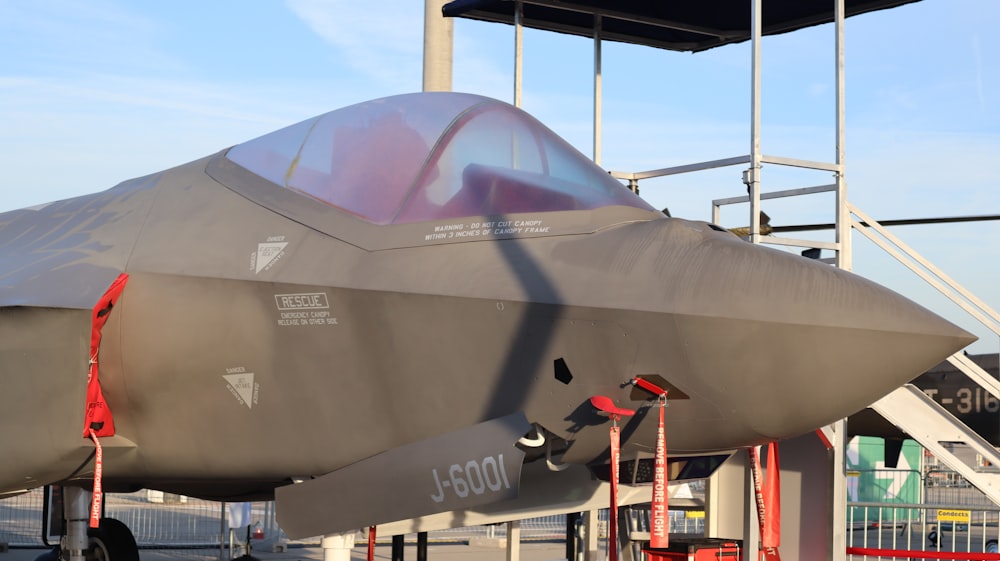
{"x":953,"y":390}
{"x":409,"y":303}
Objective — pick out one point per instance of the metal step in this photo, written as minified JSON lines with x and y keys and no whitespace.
{"x":931,"y":425}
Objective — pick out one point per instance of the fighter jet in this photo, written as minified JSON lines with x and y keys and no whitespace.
{"x":405,"y":307}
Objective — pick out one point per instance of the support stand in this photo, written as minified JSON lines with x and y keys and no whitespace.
{"x":590,"y":520}
{"x":514,"y":540}
{"x":422,"y":546}
{"x":397,"y":548}
{"x":337,"y":547}
{"x":246,"y":547}
{"x":76,"y":509}
{"x":371,"y":543}
{"x":571,"y":520}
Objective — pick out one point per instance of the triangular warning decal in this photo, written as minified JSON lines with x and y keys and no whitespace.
{"x":242,"y":387}
{"x":268,"y":252}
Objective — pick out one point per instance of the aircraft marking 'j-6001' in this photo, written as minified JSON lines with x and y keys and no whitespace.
{"x":408,"y":303}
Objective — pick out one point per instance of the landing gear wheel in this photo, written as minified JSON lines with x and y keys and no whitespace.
{"x":112,"y":541}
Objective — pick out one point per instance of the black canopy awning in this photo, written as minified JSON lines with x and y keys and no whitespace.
{"x":668,"y":24}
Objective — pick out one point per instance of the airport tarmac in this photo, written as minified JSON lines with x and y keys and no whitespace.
{"x":552,"y":551}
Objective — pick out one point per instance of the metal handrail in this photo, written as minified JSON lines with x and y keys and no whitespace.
{"x":926,"y":270}
{"x":675,"y":170}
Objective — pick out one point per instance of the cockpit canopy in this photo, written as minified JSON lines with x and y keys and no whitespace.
{"x":431,"y":156}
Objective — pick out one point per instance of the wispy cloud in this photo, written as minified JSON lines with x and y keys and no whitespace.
{"x":123,"y":93}
{"x":65,"y":137}
{"x":383,"y":42}
{"x":477,"y":68}
{"x":977,"y":54}
{"x":62,"y":35}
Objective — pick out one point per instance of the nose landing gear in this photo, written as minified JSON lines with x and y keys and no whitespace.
{"x":110,"y":541}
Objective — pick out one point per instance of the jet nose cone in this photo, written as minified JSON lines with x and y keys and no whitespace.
{"x":788,"y":344}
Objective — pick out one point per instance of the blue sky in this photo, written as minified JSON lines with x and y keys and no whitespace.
{"x":98,"y":92}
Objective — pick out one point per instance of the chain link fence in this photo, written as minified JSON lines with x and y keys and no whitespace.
{"x":948,"y":517}
{"x":164,"y":521}
{"x":935,"y":511}
{"x":917,"y":527}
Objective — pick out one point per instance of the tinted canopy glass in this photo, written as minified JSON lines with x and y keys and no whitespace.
{"x":431,"y":156}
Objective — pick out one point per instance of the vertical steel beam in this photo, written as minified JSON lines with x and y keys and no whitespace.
{"x":514,"y":540}
{"x":838,"y":493}
{"x":752,"y":178}
{"x":844,"y":257}
{"x":438,"y":42}
{"x":597,"y":88}
{"x":222,"y":531}
{"x":838,"y":537}
{"x":518,"y":47}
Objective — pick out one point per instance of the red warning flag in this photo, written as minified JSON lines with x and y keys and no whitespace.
{"x":613,"y":506}
{"x":659,"y":532}
{"x":768,"y":498}
{"x":606,"y":406}
{"x":97,"y":494}
{"x":771,"y":533}
{"x":97,"y":417}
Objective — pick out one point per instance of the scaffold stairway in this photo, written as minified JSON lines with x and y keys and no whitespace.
{"x":930,"y":424}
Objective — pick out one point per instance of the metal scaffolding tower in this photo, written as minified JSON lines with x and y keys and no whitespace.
{"x":693,"y":26}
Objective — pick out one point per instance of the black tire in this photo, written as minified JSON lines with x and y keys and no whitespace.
{"x":991,"y":547}
{"x":113,"y":541}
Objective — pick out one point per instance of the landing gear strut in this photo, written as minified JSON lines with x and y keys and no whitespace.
{"x":111,"y":541}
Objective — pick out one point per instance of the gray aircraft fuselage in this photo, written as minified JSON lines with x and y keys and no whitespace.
{"x":264,"y":335}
